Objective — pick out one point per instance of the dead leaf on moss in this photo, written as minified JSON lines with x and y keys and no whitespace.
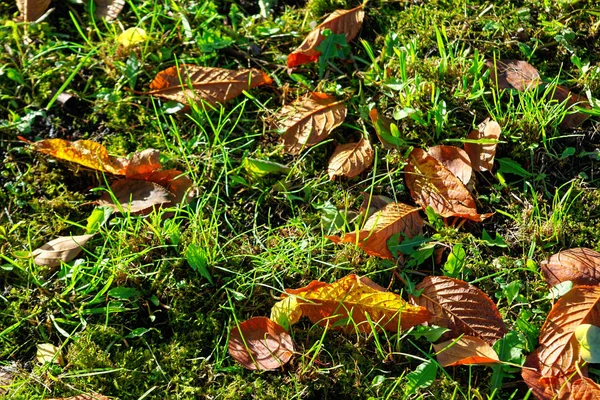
{"x":466,"y":350}
{"x":513,"y":74}
{"x":136,"y":196}
{"x":64,"y":248}
{"x":482,"y":154}
{"x":455,"y":159}
{"x":351,"y":159}
{"x":579,"y":265}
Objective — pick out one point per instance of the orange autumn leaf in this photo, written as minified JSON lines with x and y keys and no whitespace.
{"x":585,"y":389}
{"x":515,"y":74}
{"x":351,"y":159}
{"x":432,"y":184}
{"x":346,"y":22}
{"x":392,"y":219}
{"x":549,"y":387}
{"x":83,"y":152}
{"x":209,"y":84}
{"x":352,"y":301}
{"x":142,"y":164}
{"x":309,"y":120}
{"x":136,"y":196}
{"x":260,"y":343}
{"x":482,"y":154}
{"x":456,"y":160}
{"x":579,"y":265}
{"x":465,"y":351}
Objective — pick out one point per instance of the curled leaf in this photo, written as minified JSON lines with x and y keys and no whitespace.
{"x":515,"y":74}
{"x":212,"y":85}
{"x":346,"y":22}
{"x":309,"y":120}
{"x":465,"y":351}
{"x":351,"y":159}
{"x":580,"y":266}
{"x":64,"y":248}
{"x":352,"y":301}
{"x":456,"y":160}
{"x":142,"y":164}
{"x":32,"y":10}
{"x":260,"y":343}
{"x":482,"y":154}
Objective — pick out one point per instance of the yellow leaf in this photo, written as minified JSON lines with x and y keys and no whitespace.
{"x":286,"y":312}
{"x":49,"y":353}
{"x":132,"y":36}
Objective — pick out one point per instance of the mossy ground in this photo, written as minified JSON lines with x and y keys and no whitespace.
{"x":169,"y":340}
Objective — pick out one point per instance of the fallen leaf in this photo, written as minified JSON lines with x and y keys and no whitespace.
{"x":585,"y":389}
{"x":432,"y":184}
{"x":544,"y":387}
{"x":136,"y":196}
{"x":286,"y":312}
{"x":32,"y":10}
{"x":6,"y":380}
{"x":85,"y":396}
{"x":579,"y":265}
{"x":588,"y":337}
{"x":351,"y":302}
{"x":309,"y":120}
{"x":558,"y":349}
{"x":393,"y":218}
{"x":515,"y":74}
{"x":574,"y":118}
{"x":174,"y":182}
{"x":466,"y":350}
{"x":108,"y":9}
{"x":456,"y":160}
{"x":83,"y":152}
{"x":460,"y":307}
{"x":132,"y":36}
{"x":346,"y":22}
{"x":212,"y":85}
{"x":260,"y":343}
{"x":49,"y":353}
{"x":64,"y":248}
{"x":383,"y":130}
{"x":257,"y":169}
{"x":351,"y":159}
{"x":482,"y":154}
{"x":142,"y":164}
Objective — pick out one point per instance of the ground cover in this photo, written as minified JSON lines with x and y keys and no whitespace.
{"x":147,"y":308}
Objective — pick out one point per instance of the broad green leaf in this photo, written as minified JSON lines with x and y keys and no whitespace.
{"x":260,"y":168}
{"x":588,"y":337}
{"x":498,"y":241}
{"x":197,"y":258}
{"x":97,"y":219}
{"x":422,"y":377}
{"x":431,"y":332}
{"x":456,"y":261}
{"x":123,"y":293}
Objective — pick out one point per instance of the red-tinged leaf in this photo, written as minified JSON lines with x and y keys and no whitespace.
{"x":346,"y":22}
{"x":432,"y":184}
{"x":174,"y":182}
{"x":556,"y":387}
{"x":64,"y":248}
{"x":574,"y":118}
{"x":351,"y":159}
{"x":465,"y":351}
{"x":515,"y":74}
{"x":136,"y":196}
{"x":309,"y":120}
{"x":460,"y":307}
{"x":143,"y":164}
{"x":585,"y":389}
{"x":350,"y":302}
{"x":482,"y":154}
{"x":212,"y":85}
{"x":83,"y":152}
{"x":32,"y":10}
{"x":456,"y":160}
{"x":393,"y":218}
{"x":579,"y":265}
{"x":558,"y":348}
{"x":260,"y":343}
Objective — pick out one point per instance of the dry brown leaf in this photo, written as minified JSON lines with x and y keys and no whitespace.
{"x":544,"y":388}
{"x":85,"y":396}
{"x":558,"y":348}
{"x":260,"y":343}
{"x":346,"y":22}
{"x":64,"y":248}
{"x":482,"y":155}
{"x":393,"y":218}
{"x":432,"y":184}
{"x":515,"y":74}
{"x":32,"y":10}
{"x":142,"y":164}
{"x":212,"y":85}
{"x":465,"y":351}
{"x":574,"y":118}
{"x":579,"y":265}
{"x":6,"y":379}
{"x":460,"y":307}
{"x":585,"y":389}
{"x":83,"y":152}
{"x":456,"y":160}
{"x":309,"y":120}
{"x":108,"y":9}
{"x":136,"y":196}
{"x":345,"y":304}
{"x":351,"y":159}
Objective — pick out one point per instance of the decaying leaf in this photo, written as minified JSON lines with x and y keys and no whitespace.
{"x":574,"y":118}
{"x":351,"y":159}
{"x":173,"y":181}
{"x":383,"y":130}
{"x":482,"y":154}
{"x":456,"y":160}
{"x":212,"y":85}
{"x":6,"y":379}
{"x":83,"y":152}
{"x":374,"y":203}
{"x":346,"y":22}
{"x":465,"y":351}
{"x":136,"y":196}
{"x":32,"y":10}
{"x":142,"y":164}
{"x":460,"y":307}
{"x":588,"y":337}
{"x":260,"y":343}
{"x":85,"y":396}
{"x":49,"y":353}
{"x":309,"y":120}
{"x":64,"y":248}
{"x":579,"y":265}
{"x":286,"y":312}
{"x":558,"y":349}
{"x":108,"y":9}
{"x":393,"y":218}
{"x":585,"y":389}
{"x":351,"y":302}
{"x":545,"y":387}
{"x":432,"y":184}
{"x":515,"y":74}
